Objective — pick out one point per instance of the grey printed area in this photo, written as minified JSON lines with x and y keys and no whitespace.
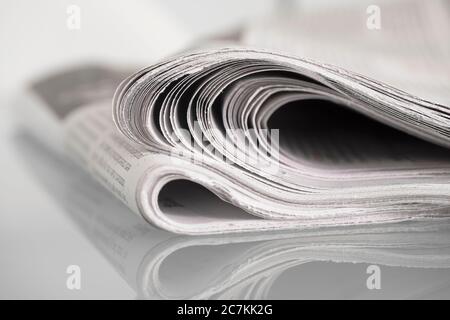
{"x":66,"y":91}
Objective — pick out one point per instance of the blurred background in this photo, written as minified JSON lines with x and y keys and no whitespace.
{"x":38,"y":239}
{"x":36,"y":36}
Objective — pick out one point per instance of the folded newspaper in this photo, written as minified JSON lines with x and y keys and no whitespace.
{"x":240,"y":139}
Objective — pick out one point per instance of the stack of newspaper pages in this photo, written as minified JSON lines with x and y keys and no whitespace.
{"x":240,"y":139}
